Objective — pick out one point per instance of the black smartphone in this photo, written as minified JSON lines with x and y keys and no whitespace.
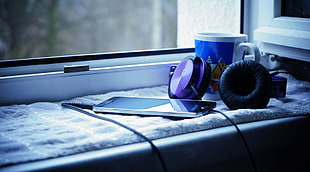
{"x":179,"y":108}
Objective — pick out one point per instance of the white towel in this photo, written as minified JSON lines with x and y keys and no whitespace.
{"x":46,"y":130}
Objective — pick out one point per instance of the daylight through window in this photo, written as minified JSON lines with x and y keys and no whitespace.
{"x":34,"y":28}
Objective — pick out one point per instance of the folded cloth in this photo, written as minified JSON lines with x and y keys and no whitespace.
{"x":46,"y":130}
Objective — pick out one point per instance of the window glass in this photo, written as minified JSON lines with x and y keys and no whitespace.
{"x":296,"y":8}
{"x":36,"y":28}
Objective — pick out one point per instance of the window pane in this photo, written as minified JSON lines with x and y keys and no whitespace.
{"x":296,"y":8}
{"x":40,"y":28}
{"x":36,"y":28}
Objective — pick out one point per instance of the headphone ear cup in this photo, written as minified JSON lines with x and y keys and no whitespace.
{"x":190,"y":79}
{"x":245,"y":84}
{"x":205,"y":77}
{"x":181,"y":79}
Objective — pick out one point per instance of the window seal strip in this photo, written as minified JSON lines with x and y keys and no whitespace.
{"x":87,"y":57}
{"x":242,"y":9}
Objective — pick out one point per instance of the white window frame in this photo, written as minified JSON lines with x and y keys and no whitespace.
{"x":287,"y":37}
{"x":281,"y":36}
{"x":48,"y":82}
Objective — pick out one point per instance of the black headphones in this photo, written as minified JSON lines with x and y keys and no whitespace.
{"x":243,"y":84}
{"x":190,"y":79}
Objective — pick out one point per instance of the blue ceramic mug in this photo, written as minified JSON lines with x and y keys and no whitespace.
{"x":221,"y":50}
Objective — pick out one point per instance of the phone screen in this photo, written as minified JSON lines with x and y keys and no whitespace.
{"x":155,"y":106}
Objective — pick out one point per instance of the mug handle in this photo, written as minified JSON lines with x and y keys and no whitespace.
{"x":253,"y":49}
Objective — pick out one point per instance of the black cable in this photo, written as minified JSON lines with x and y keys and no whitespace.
{"x":242,"y":136}
{"x":155,"y":149}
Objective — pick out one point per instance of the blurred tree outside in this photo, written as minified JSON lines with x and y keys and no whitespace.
{"x":40,"y":28}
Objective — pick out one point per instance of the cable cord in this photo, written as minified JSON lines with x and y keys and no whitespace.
{"x":155,"y":149}
{"x":241,"y":135}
